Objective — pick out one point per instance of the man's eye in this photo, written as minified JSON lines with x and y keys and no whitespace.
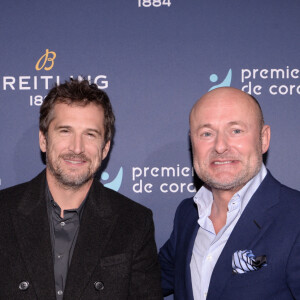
{"x":237,"y":131}
{"x":91,"y":135}
{"x":206,"y":134}
{"x":64,"y":130}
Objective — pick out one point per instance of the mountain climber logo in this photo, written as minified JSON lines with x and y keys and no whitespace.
{"x":225,"y":82}
{"x":115,"y":184}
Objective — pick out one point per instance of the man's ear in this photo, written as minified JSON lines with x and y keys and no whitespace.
{"x":265,"y":138}
{"x":105,"y":150}
{"x":42,"y":141}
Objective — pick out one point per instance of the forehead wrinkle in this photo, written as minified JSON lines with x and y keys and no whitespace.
{"x":232,"y":123}
{"x":225,"y":97}
{"x":216,"y":110}
{"x":200,"y":126}
{"x":228,"y":124}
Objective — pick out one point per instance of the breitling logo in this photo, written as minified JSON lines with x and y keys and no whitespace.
{"x":46,"y":61}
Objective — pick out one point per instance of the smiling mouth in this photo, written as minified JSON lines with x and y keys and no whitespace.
{"x":75,"y":162}
{"x":223,"y":162}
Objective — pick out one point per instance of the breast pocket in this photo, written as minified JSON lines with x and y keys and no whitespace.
{"x":252,"y":277}
{"x":116,"y":265}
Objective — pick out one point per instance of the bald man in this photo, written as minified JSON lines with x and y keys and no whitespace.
{"x":239,"y":237}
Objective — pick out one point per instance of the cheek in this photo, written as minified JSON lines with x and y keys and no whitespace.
{"x":58,"y":149}
{"x":240,"y":145}
{"x":247,"y":146}
{"x":94,"y":150}
{"x":201,"y":151}
{"x":58,"y":145}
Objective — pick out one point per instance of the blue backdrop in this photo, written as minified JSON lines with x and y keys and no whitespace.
{"x":154,"y":58}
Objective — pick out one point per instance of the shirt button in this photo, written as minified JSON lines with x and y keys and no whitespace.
{"x":209,"y":257}
{"x":205,"y":295}
{"x":59,"y":256}
{"x":60,"y":292}
{"x":62,"y":224}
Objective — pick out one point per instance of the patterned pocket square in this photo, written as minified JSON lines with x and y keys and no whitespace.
{"x":245,"y":261}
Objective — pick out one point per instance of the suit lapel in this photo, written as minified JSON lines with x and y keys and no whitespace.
{"x":250,"y":228}
{"x":189,"y":236}
{"x":30,"y":221}
{"x":96,"y":226}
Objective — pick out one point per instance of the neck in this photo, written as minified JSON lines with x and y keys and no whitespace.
{"x":67,"y":197}
{"x":219,"y":208}
{"x":222,"y":198}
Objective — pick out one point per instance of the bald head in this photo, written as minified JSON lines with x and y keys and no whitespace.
{"x":228,"y":138}
{"x":229,"y":94}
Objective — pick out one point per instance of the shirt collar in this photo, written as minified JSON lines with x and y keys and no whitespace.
{"x":54,"y":206}
{"x":204,"y":196}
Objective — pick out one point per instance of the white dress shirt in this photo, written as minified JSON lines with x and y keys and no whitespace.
{"x":209,"y":245}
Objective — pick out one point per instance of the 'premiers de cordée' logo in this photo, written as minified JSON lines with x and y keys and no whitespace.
{"x":40,"y":84}
{"x":274,"y":81}
{"x":114,"y":184}
{"x":147,"y":179}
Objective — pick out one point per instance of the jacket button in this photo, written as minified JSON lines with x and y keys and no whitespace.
{"x":24,"y":285}
{"x":99,"y":285}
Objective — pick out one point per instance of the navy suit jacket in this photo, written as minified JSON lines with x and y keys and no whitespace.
{"x":269,"y":225}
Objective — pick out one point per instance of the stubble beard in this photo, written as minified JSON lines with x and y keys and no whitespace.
{"x":239,"y":180}
{"x":65,"y":178}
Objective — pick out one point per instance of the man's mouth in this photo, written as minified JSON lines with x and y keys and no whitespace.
{"x":75,"y":162}
{"x":223,"y":162}
{"x":75,"y":159}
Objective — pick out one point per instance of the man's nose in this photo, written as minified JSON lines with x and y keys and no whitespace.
{"x":77,"y":144}
{"x":221,"y":143}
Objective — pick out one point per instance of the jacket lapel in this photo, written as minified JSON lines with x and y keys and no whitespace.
{"x":31,"y":225}
{"x":250,"y":228}
{"x":96,"y":227}
{"x":190,"y":236}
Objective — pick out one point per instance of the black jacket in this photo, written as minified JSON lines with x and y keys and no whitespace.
{"x":114,"y":258}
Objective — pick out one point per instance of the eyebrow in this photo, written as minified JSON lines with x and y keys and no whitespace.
{"x":237,"y":123}
{"x":94,"y":130}
{"x":62,"y":127}
{"x":209,"y":125}
{"x":87,"y":129}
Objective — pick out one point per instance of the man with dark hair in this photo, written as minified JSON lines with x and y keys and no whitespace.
{"x":239,"y":237}
{"x":63,"y":235}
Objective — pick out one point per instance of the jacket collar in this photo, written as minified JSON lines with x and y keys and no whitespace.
{"x":250,"y":228}
{"x":96,"y":227}
{"x":31,"y":224}
{"x":30,"y":221}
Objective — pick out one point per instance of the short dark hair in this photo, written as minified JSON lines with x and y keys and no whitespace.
{"x":78,"y":93}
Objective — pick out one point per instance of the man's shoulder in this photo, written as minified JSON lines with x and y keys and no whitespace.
{"x":10,"y":197}
{"x":187,"y":204}
{"x":17,"y":191}
{"x":286,"y":193}
{"x":122,"y":203}
{"x":19,"y":188}
{"x":290,"y":196}
{"x":186,"y":211}
{"x":14,"y":190}
{"x":283,"y":201}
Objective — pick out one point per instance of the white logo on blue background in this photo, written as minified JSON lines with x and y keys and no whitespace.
{"x":115,"y":184}
{"x":225,"y":82}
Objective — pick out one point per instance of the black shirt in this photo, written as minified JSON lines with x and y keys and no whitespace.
{"x":64,"y":232}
